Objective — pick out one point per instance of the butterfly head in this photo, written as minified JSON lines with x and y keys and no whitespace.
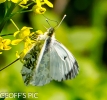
{"x":50,"y":31}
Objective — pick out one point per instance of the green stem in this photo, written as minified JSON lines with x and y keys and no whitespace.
{"x":10,"y":64}
{"x":6,"y":34}
{"x":21,"y":10}
{"x":24,"y":11}
{"x":14,"y":24}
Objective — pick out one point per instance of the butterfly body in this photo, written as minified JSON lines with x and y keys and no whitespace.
{"x":52,"y":62}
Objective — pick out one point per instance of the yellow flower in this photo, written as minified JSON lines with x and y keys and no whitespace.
{"x":29,"y":43}
{"x":42,"y":2}
{"x":25,"y":31}
{"x":17,"y":54}
{"x":28,"y":38}
{"x":38,"y":9}
{"x":4,"y":44}
{"x":24,"y":2}
{"x":16,"y":42}
{"x":38,"y":3}
{"x":21,"y":35}
{"x":48,"y":3}
{"x":39,"y":32}
{"x":21,"y":1}
{"x":24,"y":52}
{"x":1,"y":44}
{"x":15,"y":1}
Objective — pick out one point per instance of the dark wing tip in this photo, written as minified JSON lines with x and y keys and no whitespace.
{"x":73,"y":72}
{"x":76,"y":68}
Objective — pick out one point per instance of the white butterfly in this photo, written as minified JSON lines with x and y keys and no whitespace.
{"x":55,"y":62}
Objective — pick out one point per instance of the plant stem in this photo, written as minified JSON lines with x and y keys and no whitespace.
{"x":6,"y":34}
{"x":14,"y":24}
{"x":10,"y":64}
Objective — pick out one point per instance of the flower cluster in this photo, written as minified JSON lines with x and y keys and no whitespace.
{"x":24,"y":34}
{"x":37,"y":8}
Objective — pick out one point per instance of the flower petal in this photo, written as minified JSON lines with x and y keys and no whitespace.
{"x":48,"y":3}
{"x":16,"y":33}
{"x":38,"y":3}
{"x":15,"y":1}
{"x":24,"y":2}
{"x":38,"y":10}
{"x":7,"y":47}
{"x":17,"y":54}
{"x":6,"y":41}
{"x":39,"y":32}
{"x":17,"y":41}
{"x":25,"y":31}
{"x":1,"y":46}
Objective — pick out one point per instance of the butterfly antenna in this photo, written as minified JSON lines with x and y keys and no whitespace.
{"x":61,"y":21}
{"x":10,"y":64}
{"x":50,"y":20}
{"x":45,"y":27}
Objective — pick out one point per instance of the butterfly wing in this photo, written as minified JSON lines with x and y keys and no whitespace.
{"x":41,"y":75}
{"x":29,"y":64}
{"x":54,"y":62}
{"x":62,"y":63}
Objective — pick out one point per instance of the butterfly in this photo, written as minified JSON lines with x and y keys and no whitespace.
{"x":53,"y":62}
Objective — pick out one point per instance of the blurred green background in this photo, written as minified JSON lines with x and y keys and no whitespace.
{"x":83,"y":32}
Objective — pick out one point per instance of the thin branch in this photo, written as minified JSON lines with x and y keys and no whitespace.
{"x":14,"y":24}
{"x":10,"y":64}
{"x":6,"y":34}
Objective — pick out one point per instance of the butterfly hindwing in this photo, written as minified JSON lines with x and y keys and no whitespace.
{"x":63,"y":64}
{"x":29,"y":64}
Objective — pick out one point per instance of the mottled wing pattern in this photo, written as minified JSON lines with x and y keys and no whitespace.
{"x":62,"y":63}
{"x":41,"y":74}
{"x":29,"y":64}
